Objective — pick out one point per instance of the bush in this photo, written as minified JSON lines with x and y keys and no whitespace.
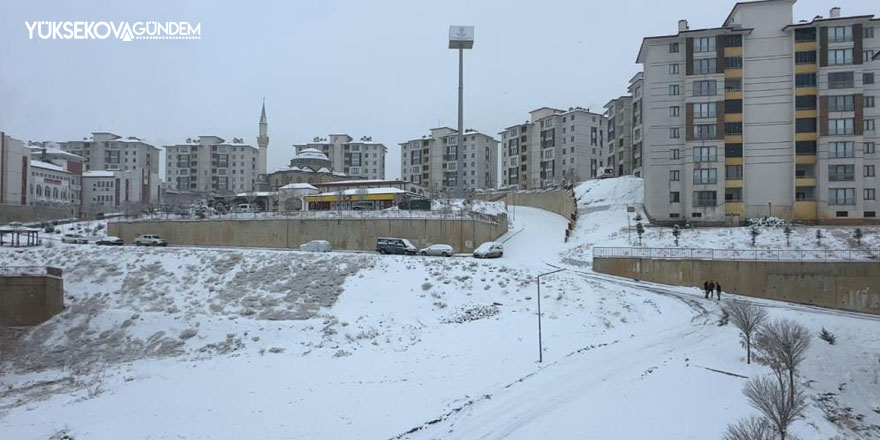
{"x":827,"y":336}
{"x":772,"y":222}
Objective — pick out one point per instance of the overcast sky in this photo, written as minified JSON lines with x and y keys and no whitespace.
{"x":375,"y":68}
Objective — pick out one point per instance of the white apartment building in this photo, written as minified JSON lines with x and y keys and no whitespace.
{"x":432,"y":161}
{"x":636,"y":86}
{"x":209,"y":164}
{"x":618,"y":151}
{"x":357,"y":158}
{"x":553,"y":147}
{"x":15,"y":171}
{"x":762,"y":116}
{"x":51,"y":184}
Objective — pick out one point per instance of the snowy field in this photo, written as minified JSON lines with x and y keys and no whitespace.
{"x":210,"y":343}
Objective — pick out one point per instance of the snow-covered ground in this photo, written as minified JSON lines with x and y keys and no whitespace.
{"x":243,"y":343}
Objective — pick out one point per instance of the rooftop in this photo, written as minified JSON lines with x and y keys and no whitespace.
{"x":48,"y":166}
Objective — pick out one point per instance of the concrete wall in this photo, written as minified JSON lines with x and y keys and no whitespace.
{"x":27,"y":214}
{"x":352,"y":234}
{"x":30,"y":300}
{"x":842,"y":285}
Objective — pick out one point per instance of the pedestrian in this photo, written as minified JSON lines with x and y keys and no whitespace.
{"x":711,"y":288}
{"x":706,"y":289}
{"x":718,"y":290}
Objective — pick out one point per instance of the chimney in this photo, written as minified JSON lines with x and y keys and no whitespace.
{"x":835,"y":12}
{"x":682,"y":25}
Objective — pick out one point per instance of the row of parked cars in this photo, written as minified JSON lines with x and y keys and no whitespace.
{"x":143,"y":240}
{"x":402,"y":246}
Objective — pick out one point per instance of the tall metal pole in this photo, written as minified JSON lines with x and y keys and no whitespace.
{"x":459,"y":184}
{"x":540,"y":343}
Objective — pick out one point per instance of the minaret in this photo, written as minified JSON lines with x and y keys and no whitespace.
{"x":263,"y":141}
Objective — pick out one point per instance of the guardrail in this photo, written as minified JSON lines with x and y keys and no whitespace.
{"x":21,"y":271}
{"x":328,"y":215}
{"x":738,"y":254}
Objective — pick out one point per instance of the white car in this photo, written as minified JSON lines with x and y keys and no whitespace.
{"x":150,"y":240}
{"x":316,"y":246}
{"x":489,"y":249}
{"x":441,"y":250}
{"x":74,"y":239}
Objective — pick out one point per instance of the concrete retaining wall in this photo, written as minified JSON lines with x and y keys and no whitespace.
{"x":559,"y":201}
{"x":28,"y":213}
{"x":352,"y":234}
{"x":851,"y":286}
{"x":30,"y":300}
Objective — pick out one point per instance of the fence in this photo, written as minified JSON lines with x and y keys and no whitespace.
{"x":737,"y":254}
{"x":442,"y":214}
{"x":22,"y":271}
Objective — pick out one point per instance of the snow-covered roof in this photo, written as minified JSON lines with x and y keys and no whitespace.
{"x":311,"y":153}
{"x":299,"y":186}
{"x":324,"y":170}
{"x":256,"y":194}
{"x":47,"y":166}
{"x":361,"y":181}
{"x":56,"y":152}
{"x":351,"y":192}
{"x":97,"y":174}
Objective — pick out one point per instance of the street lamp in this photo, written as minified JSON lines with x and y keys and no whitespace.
{"x":461,"y":38}
{"x":540,"y":343}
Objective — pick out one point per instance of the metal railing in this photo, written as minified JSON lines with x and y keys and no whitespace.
{"x":738,"y":254}
{"x":21,"y":271}
{"x":446,"y":214}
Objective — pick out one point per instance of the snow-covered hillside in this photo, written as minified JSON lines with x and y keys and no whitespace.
{"x":211,"y":343}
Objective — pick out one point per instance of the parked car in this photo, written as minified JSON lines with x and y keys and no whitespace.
{"x":442,"y":250}
{"x":606,"y":173}
{"x":150,"y":240}
{"x":489,"y":249}
{"x":401,"y":246}
{"x":110,"y":241}
{"x":316,"y":246}
{"x":74,"y":239}
{"x":244,"y":207}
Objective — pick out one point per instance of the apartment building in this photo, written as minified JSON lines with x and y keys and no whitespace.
{"x":432,"y":161}
{"x":362,"y":158}
{"x":15,"y":170}
{"x":209,"y":164}
{"x":761,"y":116}
{"x":635,"y":89}
{"x":618,"y":146}
{"x":553,"y":147}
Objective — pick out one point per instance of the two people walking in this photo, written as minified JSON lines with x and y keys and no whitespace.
{"x":711,"y":286}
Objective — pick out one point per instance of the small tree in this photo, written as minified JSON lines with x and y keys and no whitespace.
{"x":782,"y":345}
{"x":777,"y":401}
{"x":638,"y":217}
{"x":676,"y":232}
{"x":827,"y":336}
{"x":641,"y":231}
{"x":857,"y":234}
{"x":754,"y":232}
{"x":787,"y":231}
{"x":752,"y":428}
{"x":818,"y":237}
{"x":747,"y":317}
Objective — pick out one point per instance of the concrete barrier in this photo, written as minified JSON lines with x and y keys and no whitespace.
{"x":34,"y":213}
{"x":352,"y":234}
{"x":558,"y":201}
{"x":851,"y":286}
{"x":27,"y":300}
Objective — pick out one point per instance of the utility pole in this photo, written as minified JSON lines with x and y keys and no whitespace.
{"x":460,"y":37}
{"x":540,"y":340}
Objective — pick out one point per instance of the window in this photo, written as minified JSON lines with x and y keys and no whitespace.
{"x":705,"y":176}
{"x":839,"y":34}
{"x":673,"y":89}
{"x":805,"y":148}
{"x":840,"y":80}
{"x":869,"y":171}
{"x":732,"y":84}
{"x":841,"y":103}
{"x":869,"y":148}
{"x":868,"y":101}
{"x":842,"y":196}
{"x":674,"y":111}
{"x":674,"y":154}
{"x":840,"y":57}
{"x":869,"y":124}
{"x":704,"y":66}
{"x":704,"y":110}
{"x":805,"y":102}
{"x":870,"y":214}
{"x":805,"y":125}
{"x":840,"y":126}
{"x":673,"y":47}
{"x":805,"y":80}
{"x":733,"y":106}
{"x":733,"y":172}
{"x":733,"y":195}
{"x":705,"y":154}
{"x":707,"y":44}
{"x":805,"y":34}
{"x":867,"y":55}
{"x":673,"y":69}
{"x":732,"y":40}
{"x":867,"y":32}
{"x":705,"y":131}
{"x":704,"y":88}
{"x":705,"y":198}
{"x":673,"y":133}
{"x":673,"y":176}
{"x":733,"y":128}
{"x":733,"y":62}
{"x":733,"y":150}
{"x":841,"y":173}
{"x":869,"y":194}
{"x":805,"y":57}
{"x":868,"y":78}
{"x":840,"y":150}
{"x":674,"y":197}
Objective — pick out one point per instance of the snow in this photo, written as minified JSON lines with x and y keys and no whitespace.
{"x":247,"y":343}
{"x":299,"y":186}
{"x":97,"y":174}
{"x":47,"y":166}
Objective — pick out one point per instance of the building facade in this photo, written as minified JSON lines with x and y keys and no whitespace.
{"x":636,"y":87}
{"x":432,"y":161}
{"x":762,"y":116}
{"x":15,"y":171}
{"x":553,"y":147}
{"x":618,"y":151}
{"x":361,"y":159}
{"x":209,"y":164}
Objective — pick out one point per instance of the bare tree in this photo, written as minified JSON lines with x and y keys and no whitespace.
{"x":747,"y":317}
{"x":782,"y":345}
{"x":752,"y":428}
{"x":777,"y":401}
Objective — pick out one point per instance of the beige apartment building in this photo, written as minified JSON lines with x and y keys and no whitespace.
{"x":762,"y":115}
{"x":209,"y":164}
{"x":635,"y":89}
{"x":618,"y":151}
{"x":357,"y":158}
{"x":432,"y":161}
{"x":553,"y":147}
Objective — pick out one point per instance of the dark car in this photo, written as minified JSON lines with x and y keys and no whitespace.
{"x":400,"y":246}
{"x":110,"y":241}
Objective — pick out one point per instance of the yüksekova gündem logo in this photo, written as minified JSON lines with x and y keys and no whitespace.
{"x":121,"y":30}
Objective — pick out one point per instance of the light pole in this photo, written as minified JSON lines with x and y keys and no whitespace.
{"x":461,"y":38}
{"x":540,"y":342}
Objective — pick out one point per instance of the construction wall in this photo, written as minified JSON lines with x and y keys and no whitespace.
{"x":29,"y":299}
{"x":353,"y":234}
{"x":32,"y":213}
{"x":851,"y":286}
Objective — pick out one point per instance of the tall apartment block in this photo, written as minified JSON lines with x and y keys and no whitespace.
{"x":553,"y":147}
{"x":209,"y":164}
{"x":15,"y":171}
{"x":636,"y":86}
{"x":762,"y":116}
{"x":618,"y":151}
{"x":362,"y":158}
{"x":432,"y":161}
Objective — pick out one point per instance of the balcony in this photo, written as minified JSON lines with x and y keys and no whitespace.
{"x":805,"y":181}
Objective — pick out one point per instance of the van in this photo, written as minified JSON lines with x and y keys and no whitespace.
{"x":401,"y":246}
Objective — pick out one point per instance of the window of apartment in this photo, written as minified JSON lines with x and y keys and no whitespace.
{"x":839,"y":34}
{"x":732,"y":84}
{"x":868,"y":101}
{"x":805,"y":148}
{"x":673,"y":133}
{"x":805,"y":57}
{"x":867,"y":32}
{"x":674,"y":175}
{"x":705,"y":198}
{"x":869,"y":124}
{"x":705,"y":154}
{"x":733,"y":195}
{"x":840,"y":150}
{"x":805,"y":34}
{"x":869,"y":171}
{"x":840,"y":80}
{"x":869,"y":194}
{"x":673,"y":47}
{"x":673,"y":69}
{"x":842,"y":196}
{"x":705,"y":176}
{"x":731,"y":40}
{"x":805,"y":80}
{"x":838,"y":57}
{"x":733,"y":128}
{"x":867,"y":55}
{"x":840,"y":126}
{"x":704,"y":88}
{"x":674,"y":197}
{"x":868,"y":78}
{"x":704,"y":110}
{"x":704,"y":66}
{"x":733,"y":62}
{"x":869,"y":148}
{"x":674,"y":111}
{"x":707,"y":44}
{"x":841,"y":103}
{"x":805,"y":102}
{"x":705,"y":131}
{"x":805,"y":125}
{"x":673,"y":89}
{"x":841,"y":173}
{"x":733,"y":150}
{"x":674,"y":154}
{"x":733,"y":106}
{"x":733,"y":172}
